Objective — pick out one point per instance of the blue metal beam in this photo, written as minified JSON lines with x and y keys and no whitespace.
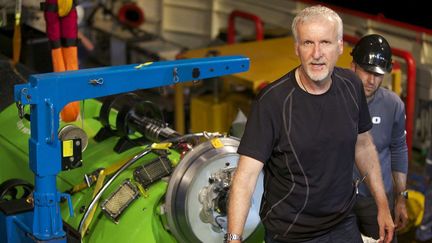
{"x":49,"y":93}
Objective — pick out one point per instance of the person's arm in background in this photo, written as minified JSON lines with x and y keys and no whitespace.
{"x":86,"y":42}
{"x":367,"y":162}
{"x":400,"y":211}
{"x":399,"y":166}
{"x":242,"y":188}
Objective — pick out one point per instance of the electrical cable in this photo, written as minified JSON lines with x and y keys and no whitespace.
{"x":95,"y":199}
{"x":108,"y":183}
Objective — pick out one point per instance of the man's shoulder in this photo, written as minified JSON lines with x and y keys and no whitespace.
{"x":389,"y":96}
{"x":344,"y":72}
{"x":279,"y":87}
{"x":346,"y":75}
{"x":347,"y":80}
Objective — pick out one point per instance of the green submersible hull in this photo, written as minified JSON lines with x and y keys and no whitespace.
{"x":174,"y":191}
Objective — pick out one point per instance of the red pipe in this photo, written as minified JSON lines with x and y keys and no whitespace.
{"x":259,"y":29}
{"x":410,"y":96}
{"x":351,"y":39}
{"x":411,"y":90}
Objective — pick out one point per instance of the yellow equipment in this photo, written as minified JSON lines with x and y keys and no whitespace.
{"x":270,"y":59}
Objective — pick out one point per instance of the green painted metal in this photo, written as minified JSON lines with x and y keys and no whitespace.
{"x":14,"y":135}
{"x":142,"y":221}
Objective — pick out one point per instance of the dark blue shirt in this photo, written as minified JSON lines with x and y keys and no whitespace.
{"x":388,"y":117}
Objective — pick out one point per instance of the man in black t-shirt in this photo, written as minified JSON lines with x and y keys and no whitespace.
{"x":305,"y":131}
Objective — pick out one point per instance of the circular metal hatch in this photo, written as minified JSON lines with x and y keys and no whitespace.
{"x":197,"y":192}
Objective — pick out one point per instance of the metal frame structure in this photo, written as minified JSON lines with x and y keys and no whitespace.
{"x":48,"y":93}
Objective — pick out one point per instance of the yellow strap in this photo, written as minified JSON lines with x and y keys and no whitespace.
{"x":64,"y":7}
{"x":16,"y":41}
{"x":113,"y":168}
{"x":78,"y":187}
{"x":18,"y":8}
{"x":16,"y":44}
{"x":164,"y":146}
{"x":108,"y":171}
{"x":99,"y":184}
{"x":142,"y":191}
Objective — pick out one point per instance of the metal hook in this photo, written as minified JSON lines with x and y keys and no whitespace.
{"x":176,"y":78}
{"x":24,"y":93}
{"x":98,"y":81}
{"x":20,"y":109}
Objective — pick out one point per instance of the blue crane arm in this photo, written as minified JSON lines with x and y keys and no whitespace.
{"x":49,"y":93}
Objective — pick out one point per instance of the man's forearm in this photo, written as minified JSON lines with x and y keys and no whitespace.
{"x":400,"y":211}
{"x":242,"y":188}
{"x":238,"y":206}
{"x":399,"y":180}
{"x":368,"y":164}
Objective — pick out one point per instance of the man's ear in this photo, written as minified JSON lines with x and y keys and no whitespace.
{"x":353,"y":67}
{"x":296,"y":48}
{"x":340,"y":44}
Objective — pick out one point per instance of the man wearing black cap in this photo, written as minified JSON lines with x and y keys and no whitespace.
{"x":372,"y":58}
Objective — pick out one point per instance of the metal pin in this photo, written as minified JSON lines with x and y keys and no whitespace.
{"x":20,"y":109}
{"x":98,"y":81}
{"x":176,"y":78}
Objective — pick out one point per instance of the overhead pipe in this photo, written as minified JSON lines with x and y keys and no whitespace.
{"x":410,"y":87}
{"x":259,"y":29}
{"x":131,"y":15}
{"x":410,"y":96}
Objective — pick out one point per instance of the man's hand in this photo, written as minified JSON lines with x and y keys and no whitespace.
{"x":400,"y":212}
{"x":386,"y":226}
{"x":367,"y":162}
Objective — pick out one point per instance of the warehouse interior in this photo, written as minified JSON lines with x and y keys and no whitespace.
{"x":126,"y":106}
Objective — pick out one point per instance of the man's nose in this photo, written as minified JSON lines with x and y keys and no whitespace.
{"x":371,"y":78}
{"x":317,"y":52}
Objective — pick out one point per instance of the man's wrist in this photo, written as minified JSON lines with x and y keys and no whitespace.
{"x":229,"y":237}
{"x":403,"y":194}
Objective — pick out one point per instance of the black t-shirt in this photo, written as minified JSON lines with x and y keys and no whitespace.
{"x":307,"y":145}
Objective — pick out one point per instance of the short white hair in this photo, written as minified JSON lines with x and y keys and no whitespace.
{"x":317,"y":11}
